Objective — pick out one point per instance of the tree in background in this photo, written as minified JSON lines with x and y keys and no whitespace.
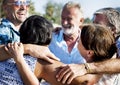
{"x":32,"y":9}
{"x":53,"y":12}
{"x":87,"y":20}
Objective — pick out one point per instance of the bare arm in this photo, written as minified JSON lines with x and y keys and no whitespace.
{"x":69,"y":72}
{"x":27,"y":75}
{"x":34,"y":50}
{"x":43,"y":69}
{"x":49,"y":71}
{"x":108,"y":66}
{"x":41,"y":52}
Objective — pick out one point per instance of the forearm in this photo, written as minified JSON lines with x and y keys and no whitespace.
{"x":41,"y":52}
{"x":108,"y":66}
{"x":33,"y":50}
{"x":27,"y":48}
{"x":27,"y":75}
{"x":88,"y":79}
{"x":52,"y":70}
{"x":3,"y":53}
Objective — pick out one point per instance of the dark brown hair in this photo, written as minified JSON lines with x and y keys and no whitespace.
{"x":100,"y":40}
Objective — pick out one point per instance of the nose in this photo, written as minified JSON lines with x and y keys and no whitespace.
{"x":64,"y":21}
{"x":24,"y":7}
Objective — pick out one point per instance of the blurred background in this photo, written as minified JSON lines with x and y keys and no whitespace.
{"x":51,"y":9}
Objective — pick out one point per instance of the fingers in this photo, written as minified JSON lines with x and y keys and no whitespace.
{"x":13,"y":46}
{"x":61,"y":73}
{"x":6,"y":48}
{"x":20,"y":44}
{"x":70,"y":78}
{"x":65,"y":75}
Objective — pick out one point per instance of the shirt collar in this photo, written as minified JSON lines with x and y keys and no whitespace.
{"x":8,"y":23}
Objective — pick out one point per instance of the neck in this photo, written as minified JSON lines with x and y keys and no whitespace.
{"x":71,"y":40}
{"x":17,"y":27}
{"x":17,"y":24}
{"x":71,"y":37}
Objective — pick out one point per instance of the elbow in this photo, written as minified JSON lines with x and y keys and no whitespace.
{"x":35,"y":83}
{"x":32,"y":83}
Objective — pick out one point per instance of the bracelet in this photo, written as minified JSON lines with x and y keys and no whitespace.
{"x":87,"y":67}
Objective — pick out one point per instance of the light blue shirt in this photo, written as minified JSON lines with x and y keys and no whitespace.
{"x":59,"y":47}
{"x":8,"y":32}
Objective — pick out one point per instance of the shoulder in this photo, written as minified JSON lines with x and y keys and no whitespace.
{"x":57,"y":30}
{"x":4,"y":23}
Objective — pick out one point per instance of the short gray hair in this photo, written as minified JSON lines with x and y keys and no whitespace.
{"x":72,"y":4}
{"x":113,"y":17}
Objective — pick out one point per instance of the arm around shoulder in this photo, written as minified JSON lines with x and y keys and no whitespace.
{"x":41,"y":52}
{"x":109,"y":66}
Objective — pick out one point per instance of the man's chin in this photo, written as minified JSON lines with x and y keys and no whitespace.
{"x":20,"y":21}
{"x":68,"y":34}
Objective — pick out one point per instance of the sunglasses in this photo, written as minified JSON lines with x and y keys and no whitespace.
{"x":19,"y":3}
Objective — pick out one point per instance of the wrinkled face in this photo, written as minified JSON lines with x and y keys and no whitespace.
{"x":17,"y":10}
{"x":100,"y":19}
{"x":71,"y":20}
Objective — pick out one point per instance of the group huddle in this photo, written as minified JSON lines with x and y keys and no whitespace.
{"x":33,"y":52}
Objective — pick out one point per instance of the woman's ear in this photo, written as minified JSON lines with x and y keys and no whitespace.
{"x":90,"y":55}
{"x":81,"y":22}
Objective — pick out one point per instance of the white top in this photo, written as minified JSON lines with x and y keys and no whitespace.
{"x":9,"y":74}
{"x":107,"y":79}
